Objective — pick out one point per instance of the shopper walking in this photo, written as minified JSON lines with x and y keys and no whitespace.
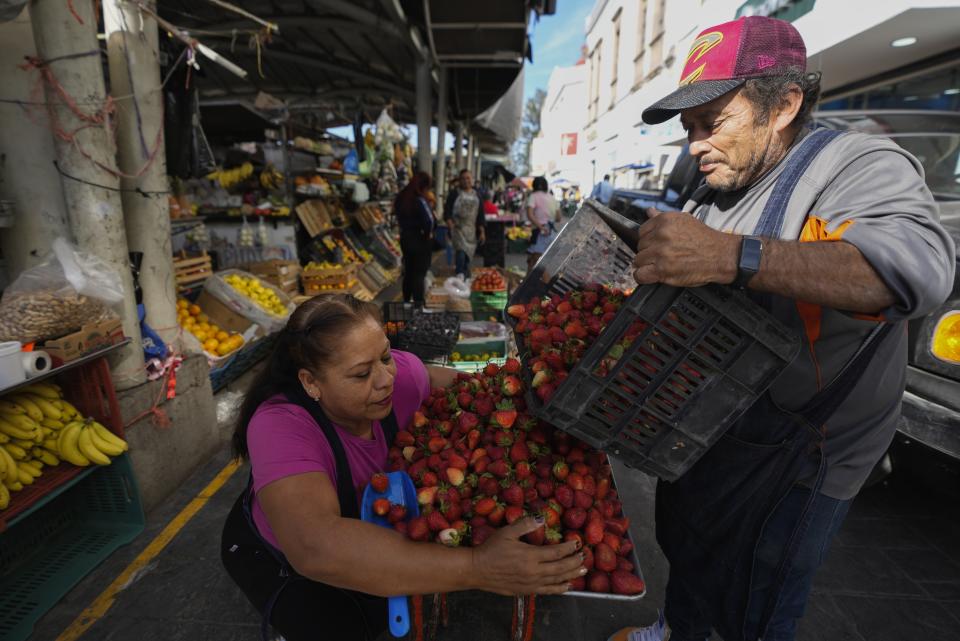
{"x":603,"y":190}
{"x":542,"y":211}
{"x":465,"y":218}
{"x":315,"y":425}
{"x":837,"y":234}
{"x":415,"y":217}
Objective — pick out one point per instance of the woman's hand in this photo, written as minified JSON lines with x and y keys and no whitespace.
{"x":506,"y":565}
{"x":545,"y":230}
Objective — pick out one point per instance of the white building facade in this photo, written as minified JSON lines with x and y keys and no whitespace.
{"x":636,"y":50}
{"x":557,"y":153}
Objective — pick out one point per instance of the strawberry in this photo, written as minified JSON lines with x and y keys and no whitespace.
{"x":512,"y":495}
{"x":491,"y":370}
{"x":484,"y":506}
{"x":404,"y":438}
{"x":481,"y":465}
{"x":545,"y":488}
{"x":519,"y":452}
{"x":466,"y":421}
{"x":426,"y":495}
{"x":381,"y":507}
{"x":522,"y":470}
{"x":624,"y":565}
{"x":582,"y":499}
{"x":487,"y":484}
{"x":455,"y":476}
{"x":574,"y":518}
{"x":397,"y":513}
{"x":578,"y":584}
{"x":626,"y":548}
{"x":564,"y":496}
{"x":457,"y":461}
{"x":575,"y":481}
{"x":587,"y":556}
{"x":436,"y":522}
{"x":444,"y":427}
{"x":545,"y":392}
{"x":428,"y":479}
{"x":495,"y":452}
{"x":503,"y":438}
{"x":618,"y":527}
{"x":628,"y":583}
{"x":409,"y":451}
{"x":419,"y":420}
{"x":537,"y":537}
{"x":511,"y":366}
{"x":511,"y":386}
{"x":500,"y":469}
{"x":513,"y":513}
{"x":451,"y":510}
{"x":517,"y":311}
{"x":551,"y":517}
{"x":505,"y":416}
{"x":605,"y":558}
{"x":560,"y":470}
{"x":598,"y":582}
{"x":479,"y":534}
{"x":612,"y":540}
{"x":417,"y":529}
{"x":464,"y":400}
{"x":401,"y":527}
{"x":570,"y":535}
{"x":436,"y":444}
{"x":379,"y":482}
{"x":593,"y":532}
{"x":449,"y":537}
{"x":483,"y":406}
{"x":541,"y":378}
{"x":473,"y":439}
{"x":529,"y":491}
{"x":496,"y":517}
{"x":603,"y":486}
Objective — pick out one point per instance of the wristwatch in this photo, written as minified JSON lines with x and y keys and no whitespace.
{"x":751,"y":250}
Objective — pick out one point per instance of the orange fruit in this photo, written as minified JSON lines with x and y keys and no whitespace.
{"x":222,"y":336}
{"x":211,"y":345}
{"x":194,"y":310}
{"x":203,"y":318}
{"x":224,"y":348}
{"x":189,"y":322}
{"x":182,"y":304}
{"x":202,"y":325}
{"x":201,"y":335}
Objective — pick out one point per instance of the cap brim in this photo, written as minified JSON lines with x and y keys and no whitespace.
{"x":692,"y":95}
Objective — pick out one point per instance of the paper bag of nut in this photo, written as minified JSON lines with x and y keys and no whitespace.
{"x":58,"y":296}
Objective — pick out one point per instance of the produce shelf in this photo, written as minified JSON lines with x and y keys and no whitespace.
{"x":84,"y":360}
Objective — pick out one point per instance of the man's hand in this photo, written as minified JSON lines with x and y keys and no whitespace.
{"x":677,"y":249}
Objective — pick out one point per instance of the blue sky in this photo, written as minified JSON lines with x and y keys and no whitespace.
{"x":556,"y":42}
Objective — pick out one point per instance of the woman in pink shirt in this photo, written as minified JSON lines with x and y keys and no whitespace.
{"x":332,"y":392}
{"x":542,"y":210}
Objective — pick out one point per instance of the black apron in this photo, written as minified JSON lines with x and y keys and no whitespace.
{"x":709,"y":521}
{"x":346,"y":496}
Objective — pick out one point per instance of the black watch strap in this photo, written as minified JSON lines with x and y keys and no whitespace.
{"x":751,"y":250}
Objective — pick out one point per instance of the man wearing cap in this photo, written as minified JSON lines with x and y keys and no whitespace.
{"x":835,"y":234}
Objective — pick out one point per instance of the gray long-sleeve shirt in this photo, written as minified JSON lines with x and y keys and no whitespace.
{"x":869,"y":192}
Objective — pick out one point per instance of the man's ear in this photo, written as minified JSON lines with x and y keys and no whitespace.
{"x":789,"y":109}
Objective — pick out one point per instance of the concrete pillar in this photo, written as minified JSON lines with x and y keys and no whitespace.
{"x":440,"y":171}
{"x":458,"y":148}
{"x":424,"y":115}
{"x":95,"y":213}
{"x":468,"y":161}
{"x":132,"y":54}
{"x":27,"y":174}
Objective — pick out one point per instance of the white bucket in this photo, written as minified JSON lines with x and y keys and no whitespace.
{"x":11,"y":364}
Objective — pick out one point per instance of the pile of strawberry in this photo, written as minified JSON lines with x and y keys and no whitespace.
{"x":479,"y":462}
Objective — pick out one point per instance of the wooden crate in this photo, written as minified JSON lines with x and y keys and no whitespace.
{"x":188,"y":270}
{"x":315,"y":216}
{"x":369,"y":216}
{"x":324,"y":280}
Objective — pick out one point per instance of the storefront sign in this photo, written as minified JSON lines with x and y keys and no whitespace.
{"x":568,"y":144}
{"x":788,"y":10}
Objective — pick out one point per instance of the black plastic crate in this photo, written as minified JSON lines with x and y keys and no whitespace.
{"x":700,"y":357}
{"x":395,"y":312}
{"x":430,"y":335}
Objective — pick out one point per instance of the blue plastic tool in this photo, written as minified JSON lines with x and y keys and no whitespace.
{"x":402,"y":492}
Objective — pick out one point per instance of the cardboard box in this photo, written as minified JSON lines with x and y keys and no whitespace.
{"x":275,"y":268}
{"x":88,"y":338}
{"x":221,"y":315}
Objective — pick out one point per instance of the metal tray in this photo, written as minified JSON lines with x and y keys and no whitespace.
{"x":636,"y":567}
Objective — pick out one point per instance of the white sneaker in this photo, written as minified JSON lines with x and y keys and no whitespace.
{"x":656,"y":632}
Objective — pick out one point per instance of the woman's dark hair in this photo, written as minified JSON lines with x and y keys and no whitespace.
{"x":769,"y":93}
{"x":416,"y":188}
{"x":540,"y":184}
{"x":308,"y":341}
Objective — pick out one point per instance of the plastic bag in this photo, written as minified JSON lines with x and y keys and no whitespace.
{"x":57,"y":297}
{"x":246,"y":307}
{"x":457,"y":288}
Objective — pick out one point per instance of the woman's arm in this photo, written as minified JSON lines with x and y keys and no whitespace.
{"x":304,"y":514}
{"x":441,"y":376}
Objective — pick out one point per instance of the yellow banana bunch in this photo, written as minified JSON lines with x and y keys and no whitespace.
{"x":230,"y":177}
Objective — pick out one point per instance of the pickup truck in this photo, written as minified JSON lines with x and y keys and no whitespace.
{"x":931,"y":403}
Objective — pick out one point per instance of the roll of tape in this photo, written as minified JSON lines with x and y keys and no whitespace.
{"x":36,"y":363}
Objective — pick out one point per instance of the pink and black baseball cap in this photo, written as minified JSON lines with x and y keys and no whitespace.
{"x":724,"y":57}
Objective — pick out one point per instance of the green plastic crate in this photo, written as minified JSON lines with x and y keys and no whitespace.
{"x":42,"y":557}
{"x":488,"y":305}
{"x":473,"y":367}
{"x":482,"y":347}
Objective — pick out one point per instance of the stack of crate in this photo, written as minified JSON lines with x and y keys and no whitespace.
{"x":282,"y":274}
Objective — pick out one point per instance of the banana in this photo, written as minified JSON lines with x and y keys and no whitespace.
{"x":48,"y":432}
{"x":4,"y":438}
{"x":67,"y":445}
{"x":9,"y":465}
{"x":13,"y":485}
{"x":20,"y":421}
{"x":15,"y":451}
{"x":88,"y":449}
{"x":3,"y":468}
{"x":49,"y":409}
{"x":24,"y":443}
{"x":102,"y":444}
{"x":68,"y":410}
{"x":25,"y":477}
{"x":48,"y":458}
{"x":33,"y":468}
{"x":49,"y":423}
{"x":45,"y":390}
{"x":50,"y":445}
{"x":4,"y":497}
{"x":109,"y":436}
{"x":31,"y":408}
{"x":15,"y":432}
{"x":6,"y":407}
